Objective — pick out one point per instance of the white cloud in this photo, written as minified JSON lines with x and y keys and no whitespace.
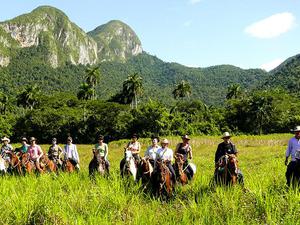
{"x":271,"y":65}
{"x":187,"y":23}
{"x":193,"y":2}
{"x":272,"y":26}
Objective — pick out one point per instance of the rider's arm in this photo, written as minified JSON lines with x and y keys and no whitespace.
{"x":76,"y":153}
{"x":190,"y":153}
{"x":171,"y":157}
{"x":139,"y":148}
{"x":106,"y":152}
{"x":41,"y":153}
{"x":177,"y":148}
{"x":218,"y":153}
{"x":288,"y":152}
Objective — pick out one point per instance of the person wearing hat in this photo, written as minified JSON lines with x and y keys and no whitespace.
{"x":135,"y":147}
{"x":185,"y":149}
{"x":291,"y":151}
{"x":165,"y":154}
{"x":55,"y":153}
{"x":35,"y":153}
{"x":152,"y":150}
{"x":101,"y":149}
{"x":71,"y":153}
{"x":24,"y":147}
{"x":6,"y":149}
{"x":226,"y":147}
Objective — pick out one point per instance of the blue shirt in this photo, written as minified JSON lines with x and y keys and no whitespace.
{"x":293,"y":147}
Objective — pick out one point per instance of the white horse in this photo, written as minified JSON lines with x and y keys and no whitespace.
{"x":129,"y":167}
{"x":193,"y":166}
{"x":2,"y":166}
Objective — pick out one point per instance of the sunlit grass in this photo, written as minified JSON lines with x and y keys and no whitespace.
{"x":74,"y":199}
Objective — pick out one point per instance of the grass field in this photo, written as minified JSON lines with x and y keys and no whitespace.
{"x":74,"y":199}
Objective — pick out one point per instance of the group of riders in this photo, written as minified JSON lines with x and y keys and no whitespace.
{"x":34,"y":153}
{"x":226,"y":152}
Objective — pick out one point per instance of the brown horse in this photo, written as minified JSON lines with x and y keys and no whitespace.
{"x":146,"y":170}
{"x":97,"y":165}
{"x":227,"y":172}
{"x":27,"y":164}
{"x":161,"y":180}
{"x":47,"y":165}
{"x":68,"y":166}
{"x":180,"y":171}
{"x":15,"y":164}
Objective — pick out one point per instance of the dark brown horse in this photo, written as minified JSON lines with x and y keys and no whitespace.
{"x":161,"y":180}
{"x":180,"y":171}
{"x":227,"y":172}
{"x":97,"y":166}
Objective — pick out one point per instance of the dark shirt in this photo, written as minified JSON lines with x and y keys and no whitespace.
{"x":223,"y":149}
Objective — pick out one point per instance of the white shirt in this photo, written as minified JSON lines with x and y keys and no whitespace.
{"x":71,"y":152}
{"x":165,"y":154}
{"x":152,"y":151}
{"x":293,"y":147}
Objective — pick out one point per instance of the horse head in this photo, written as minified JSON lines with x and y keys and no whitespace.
{"x":146,"y":166}
{"x":233,"y":164}
{"x":130,"y":166}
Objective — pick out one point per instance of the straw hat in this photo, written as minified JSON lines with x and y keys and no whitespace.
{"x":24,"y":139}
{"x":32,"y":139}
{"x":297,"y":128}
{"x":226,"y":135}
{"x":5,"y":139}
{"x":186,"y":137}
{"x":165,"y":141}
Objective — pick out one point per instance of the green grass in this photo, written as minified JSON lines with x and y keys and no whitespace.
{"x":74,"y":199}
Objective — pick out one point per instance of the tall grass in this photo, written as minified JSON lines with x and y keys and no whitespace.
{"x":74,"y":199}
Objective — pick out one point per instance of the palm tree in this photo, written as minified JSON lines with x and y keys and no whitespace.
{"x":183,"y":89}
{"x":85,"y":92}
{"x":233,"y":91}
{"x":28,"y":98}
{"x":3,"y":103}
{"x":132,"y":88}
{"x":92,"y":77}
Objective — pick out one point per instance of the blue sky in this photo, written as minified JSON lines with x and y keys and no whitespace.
{"x":200,"y":33}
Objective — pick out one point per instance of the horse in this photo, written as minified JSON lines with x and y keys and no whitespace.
{"x":161,"y":180}
{"x":47,"y":164}
{"x":227,"y":172}
{"x":180,"y":171}
{"x":68,"y":166}
{"x":97,"y":165}
{"x":28,"y":164}
{"x":3,"y":169}
{"x":146,"y":169}
{"x":128,"y":168}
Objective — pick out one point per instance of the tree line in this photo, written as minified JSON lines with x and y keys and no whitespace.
{"x":60,"y":114}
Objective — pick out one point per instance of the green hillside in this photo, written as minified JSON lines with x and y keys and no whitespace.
{"x":286,"y":75}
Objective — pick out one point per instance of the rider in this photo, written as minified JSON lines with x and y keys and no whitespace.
{"x":226,"y":147}
{"x":135,"y":147}
{"x":55,"y":153}
{"x":6,"y":148}
{"x":292,"y":149}
{"x":101,"y":148}
{"x":70,"y":152}
{"x":24,"y":148}
{"x":152,"y":150}
{"x":166,"y":154}
{"x":35,"y":153}
{"x":185,"y":149}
